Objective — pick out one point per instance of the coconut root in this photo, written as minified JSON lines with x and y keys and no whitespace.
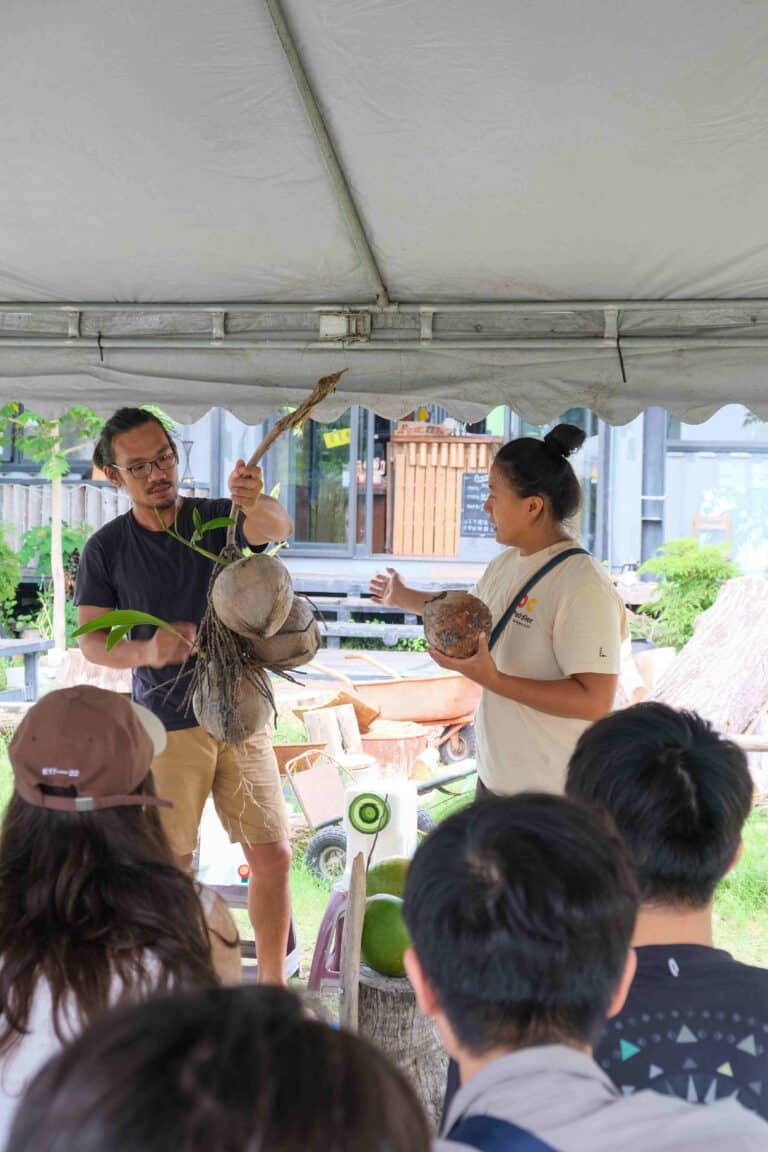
{"x":225,"y":660}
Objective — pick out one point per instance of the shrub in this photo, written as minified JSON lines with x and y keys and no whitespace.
{"x":36,"y":546}
{"x":690,"y":575}
{"x":10,"y":574}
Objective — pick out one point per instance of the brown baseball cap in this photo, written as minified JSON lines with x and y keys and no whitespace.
{"x":94,"y":741}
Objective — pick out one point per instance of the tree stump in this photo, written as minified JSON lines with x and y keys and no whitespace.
{"x":388,"y":1016}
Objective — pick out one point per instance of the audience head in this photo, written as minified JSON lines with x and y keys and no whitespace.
{"x":521,"y":912}
{"x":88,"y":887}
{"x":228,"y":1070}
{"x":678,"y":792}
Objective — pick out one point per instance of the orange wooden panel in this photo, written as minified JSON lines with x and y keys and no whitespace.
{"x":408,"y":506}
{"x":420,"y":528}
{"x":452,"y":511}
{"x":398,"y":534}
{"x":430,"y":509}
{"x":441,"y":477}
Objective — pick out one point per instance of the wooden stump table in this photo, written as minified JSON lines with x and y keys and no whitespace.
{"x":388,"y":1016}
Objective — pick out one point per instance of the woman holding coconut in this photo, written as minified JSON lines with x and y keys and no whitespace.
{"x":554,"y":667}
{"x":134,"y":562}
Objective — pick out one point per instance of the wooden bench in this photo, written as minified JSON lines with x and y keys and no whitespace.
{"x":335,"y":630}
{"x":31,"y":650}
{"x":338,"y":620}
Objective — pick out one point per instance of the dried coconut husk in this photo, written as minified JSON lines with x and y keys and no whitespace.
{"x":295,"y":644}
{"x":232,"y":711}
{"x":222,"y":655}
{"x":453,"y":622}
{"x":253,"y":596}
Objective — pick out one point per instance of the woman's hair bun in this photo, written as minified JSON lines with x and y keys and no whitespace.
{"x":565,"y":439}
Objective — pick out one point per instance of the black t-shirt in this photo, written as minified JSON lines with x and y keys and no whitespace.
{"x":126,"y":566}
{"x":695,"y":1025}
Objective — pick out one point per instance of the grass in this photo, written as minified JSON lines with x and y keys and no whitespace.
{"x":741,"y":906}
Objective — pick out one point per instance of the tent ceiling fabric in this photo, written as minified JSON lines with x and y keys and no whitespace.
{"x":498,"y":152}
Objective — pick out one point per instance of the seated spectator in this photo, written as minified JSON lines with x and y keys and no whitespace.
{"x":695,"y":1023}
{"x":521,"y":911}
{"x":92,"y":908}
{"x":222,"y":1071}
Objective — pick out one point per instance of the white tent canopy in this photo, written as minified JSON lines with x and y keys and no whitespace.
{"x":542,"y":204}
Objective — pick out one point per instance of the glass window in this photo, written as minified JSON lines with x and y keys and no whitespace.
{"x":732,"y":424}
{"x":721,"y":498}
{"x":313,"y":464}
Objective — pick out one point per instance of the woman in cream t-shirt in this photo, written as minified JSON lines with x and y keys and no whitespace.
{"x":554,"y":669}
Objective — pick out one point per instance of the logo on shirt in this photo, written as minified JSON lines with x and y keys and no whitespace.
{"x":524,"y":611}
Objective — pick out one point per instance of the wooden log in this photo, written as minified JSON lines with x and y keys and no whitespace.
{"x":722,"y":672}
{"x":336,"y":728}
{"x":388,"y":1016}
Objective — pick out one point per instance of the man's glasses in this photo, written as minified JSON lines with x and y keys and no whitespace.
{"x":164,"y":463}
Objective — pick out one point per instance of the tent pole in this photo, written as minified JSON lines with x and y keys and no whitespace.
{"x":755,"y":305}
{"x":339,"y":181}
{"x":136,"y":343}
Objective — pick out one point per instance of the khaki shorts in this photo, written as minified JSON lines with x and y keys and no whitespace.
{"x":244,"y":781}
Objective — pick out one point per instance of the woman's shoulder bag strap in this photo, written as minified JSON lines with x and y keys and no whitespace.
{"x":526,"y":588}
{"x":489,"y":1134}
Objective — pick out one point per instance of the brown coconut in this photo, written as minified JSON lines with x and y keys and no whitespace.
{"x":295,"y":644}
{"x":231,"y":714}
{"x":253,"y":596}
{"x":453,"y":622}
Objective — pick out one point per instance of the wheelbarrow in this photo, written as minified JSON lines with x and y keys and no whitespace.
{"x":317,"y":781}
{"x":447,"y":699}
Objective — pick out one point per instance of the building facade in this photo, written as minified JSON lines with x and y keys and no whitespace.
{"x":362,"y":487}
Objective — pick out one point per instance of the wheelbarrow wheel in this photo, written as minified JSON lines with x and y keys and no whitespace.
{"x":461,"y":746}
{"x":326,"y":854}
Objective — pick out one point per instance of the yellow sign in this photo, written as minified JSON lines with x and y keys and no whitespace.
{"x":337,"y":438}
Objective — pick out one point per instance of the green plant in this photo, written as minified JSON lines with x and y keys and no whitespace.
{"x":36,"y":546}
{"x":690,"y":575}
{"x":51,"y":442}
{"x":10,"y":574}
{"x":412,"y":644}
{"x":41,"y":619}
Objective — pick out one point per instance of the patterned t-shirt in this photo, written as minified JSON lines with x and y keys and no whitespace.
{"x":695,"y":1025}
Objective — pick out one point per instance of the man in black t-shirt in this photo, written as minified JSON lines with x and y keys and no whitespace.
{"x":695,"y":1022}
{"x":132,"y":562}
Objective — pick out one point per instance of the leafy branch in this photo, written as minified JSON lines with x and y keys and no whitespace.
{"x":200,"y":528}
{"x":119,"y":622}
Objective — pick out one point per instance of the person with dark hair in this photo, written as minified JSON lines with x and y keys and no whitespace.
{"x":521,"y":912}
{"x":133,"y":562}
{"x":93,"y":909}
{"x":696,"y":1020}
{"x":554,"y":666}
{"x":224,"y":1071}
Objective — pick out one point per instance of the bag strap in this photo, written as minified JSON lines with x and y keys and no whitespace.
{"x":526,"y":588}
{"x":490,"y":1134}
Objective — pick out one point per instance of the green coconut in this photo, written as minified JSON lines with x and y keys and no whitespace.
{"x":385,"y":936}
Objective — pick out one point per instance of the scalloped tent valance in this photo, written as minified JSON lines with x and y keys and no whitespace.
{"x":539,"y":205}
